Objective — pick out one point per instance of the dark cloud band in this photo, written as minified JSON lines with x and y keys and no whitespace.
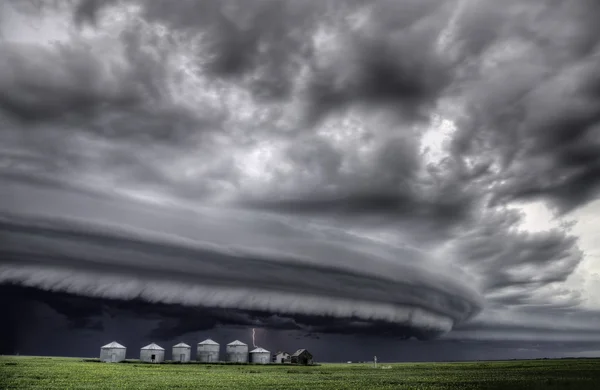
{"x":280,"y":118}
{"x":123,"y":263}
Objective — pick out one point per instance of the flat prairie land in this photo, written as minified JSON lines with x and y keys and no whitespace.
{"x":21,"y":372}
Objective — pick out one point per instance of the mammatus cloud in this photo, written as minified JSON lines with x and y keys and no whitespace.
{"x":317,"y":139}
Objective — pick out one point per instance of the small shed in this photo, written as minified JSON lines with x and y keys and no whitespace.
{"x":112,"y":353}
{"x":152,"y":353}
{"x":281,"y":357}
{"x":302,"y":356}
{"x":208,"y":351}
{"x":181,"y":353}
{"x":260,"y":356}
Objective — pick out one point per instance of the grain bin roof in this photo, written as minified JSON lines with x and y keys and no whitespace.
{"x":259,"y":350}
{"x":181,"y":345}
{"x":114,"y":344}
{"x":154,"y":346}
{"x":208,"y":342}
{"x":237,"y":342}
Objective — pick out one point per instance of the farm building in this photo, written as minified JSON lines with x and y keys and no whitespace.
{"x":182,"y":352}
{"x":152,"y":353}
{"x":208,"y":351}
{"x":301,"y":356}
{"x":260,"y":356}
{"x":236,"y":352}
{"x":112,"y":353}
{"x":281,"y":357}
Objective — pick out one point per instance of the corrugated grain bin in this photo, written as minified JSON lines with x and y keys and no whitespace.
{"x":260,"y":356}
{"x":113,"y":353}
{"x":208,"y":351}
{"x":236,"y":352}
{"x":181,"y":353}
{"x":152,"y":353}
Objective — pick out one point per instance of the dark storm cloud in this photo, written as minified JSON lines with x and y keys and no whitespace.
{"x":217,"y":261}
{"x":538,"y":111}
{"x":43,"y":84}
{"x":389,"y":187}
{"x":174,"y":321}
{"x":403,"y":71}
{"x":327,"y":101}
{"x":254,"y":43}
{"x":257,"y":40}
{"x":311,"y":326}
{"x":382,"y":61}
{"x":375,"y":203}
{"x":129,"y":102}
{"x":256,"y":274}
{"x":537,"y":119}
{"x":71,"y":89}
{"x":516,"y":263}
{"x":86,"y":10}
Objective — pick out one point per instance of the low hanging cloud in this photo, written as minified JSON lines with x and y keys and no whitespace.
{"x":294,"y":133}
{"x":238,"y":260}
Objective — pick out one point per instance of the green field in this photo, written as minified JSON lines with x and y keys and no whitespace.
{"x":65,"y":373}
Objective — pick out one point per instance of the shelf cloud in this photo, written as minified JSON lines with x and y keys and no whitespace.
{"x":230,"y":259}
{"x":298,"y":161}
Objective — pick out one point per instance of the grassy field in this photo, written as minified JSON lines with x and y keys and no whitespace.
{"x":65,"y":373}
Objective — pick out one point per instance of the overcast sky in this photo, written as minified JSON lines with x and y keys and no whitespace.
{"x":418,"y":176}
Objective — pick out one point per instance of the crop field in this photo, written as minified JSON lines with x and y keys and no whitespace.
{"x":70,"y":373}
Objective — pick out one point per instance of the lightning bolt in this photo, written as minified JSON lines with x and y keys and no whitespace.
{"x":253,"y":335}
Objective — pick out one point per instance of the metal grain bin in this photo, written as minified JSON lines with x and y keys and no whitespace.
{"x":152,"y":353}
{"x":181,"y":353}
{"x":208,"y":351}
{"x":260,"y":356}
{"x":112,"y":353}
{"x":236,"y":352}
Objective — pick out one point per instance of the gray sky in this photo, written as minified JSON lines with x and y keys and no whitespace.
{"x":407,"y":168}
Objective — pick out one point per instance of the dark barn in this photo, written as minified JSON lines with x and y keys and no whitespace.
{"x":302,"y":356}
